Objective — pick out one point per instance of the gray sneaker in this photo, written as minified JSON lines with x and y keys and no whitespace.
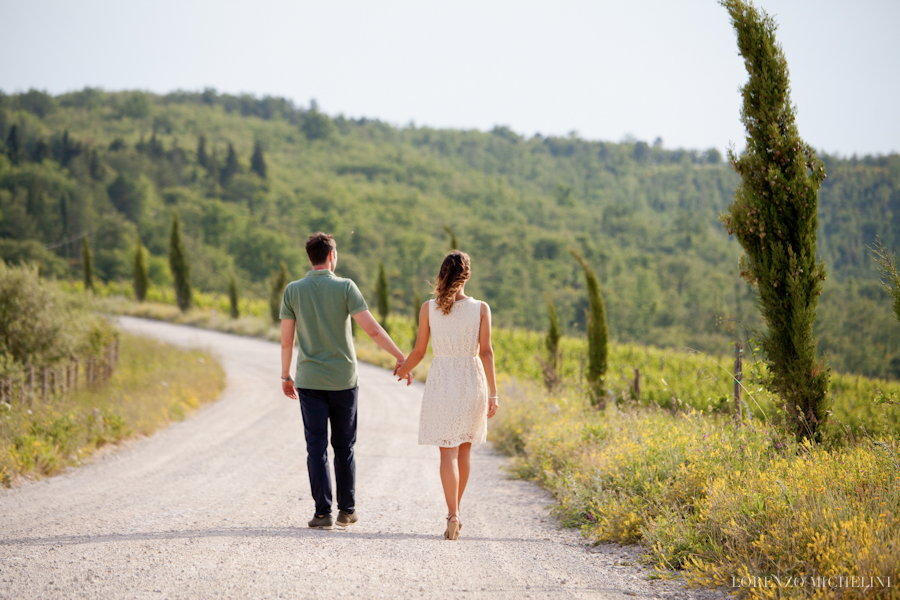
{"x":321,"y":522}
{"x":346,"y":519}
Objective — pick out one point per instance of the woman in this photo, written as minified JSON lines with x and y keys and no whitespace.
{"x":456,"y":404}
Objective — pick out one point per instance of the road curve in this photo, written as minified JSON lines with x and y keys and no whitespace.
{"x":216,"y":507}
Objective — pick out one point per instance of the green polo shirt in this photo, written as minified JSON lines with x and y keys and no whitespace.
{"x":322,"y":303}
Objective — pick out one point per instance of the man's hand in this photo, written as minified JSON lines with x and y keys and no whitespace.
{"x":289,"y":390}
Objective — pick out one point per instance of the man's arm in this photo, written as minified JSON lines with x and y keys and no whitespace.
{"x":375,"y":331}
{"x":287,"y":352}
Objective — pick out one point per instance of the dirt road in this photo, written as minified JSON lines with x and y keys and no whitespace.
{"x":216,"y":507}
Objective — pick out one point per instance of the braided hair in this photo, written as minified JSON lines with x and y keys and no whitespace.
{"x":455,"y":271}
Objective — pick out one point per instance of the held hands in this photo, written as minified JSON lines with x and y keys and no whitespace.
{"x":397,"y":368}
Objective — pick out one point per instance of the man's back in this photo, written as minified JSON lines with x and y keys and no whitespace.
{"x":321,"y":304}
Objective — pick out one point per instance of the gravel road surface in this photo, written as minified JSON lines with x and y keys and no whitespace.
{"x":216,"y":507}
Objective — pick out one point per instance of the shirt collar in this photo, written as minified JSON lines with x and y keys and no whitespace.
{"x":320,"y":273}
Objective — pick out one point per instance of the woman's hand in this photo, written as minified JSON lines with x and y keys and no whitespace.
{"x":493,"y":406}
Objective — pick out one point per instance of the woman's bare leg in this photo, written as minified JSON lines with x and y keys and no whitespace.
{"x":450,"y":478}
{"x":464,"y":468}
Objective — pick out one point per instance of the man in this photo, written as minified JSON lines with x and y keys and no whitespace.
{"x":318,"y":308}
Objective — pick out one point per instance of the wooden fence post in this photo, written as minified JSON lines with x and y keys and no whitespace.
{"x":738,"y":375}
{"x":45,"y":385}
{"x":75,"y":375}
{"x":637,"y":384}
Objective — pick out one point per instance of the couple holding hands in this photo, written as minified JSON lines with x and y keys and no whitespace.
{"x":460,"y":393}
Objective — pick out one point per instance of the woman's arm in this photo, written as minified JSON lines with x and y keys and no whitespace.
{"x":487,"y":358}
{"x":418,"y":353}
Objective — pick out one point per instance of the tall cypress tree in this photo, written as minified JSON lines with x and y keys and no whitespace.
{"x":231,"y":166}
{"x":890,"y":277}
{"x":181,"y":269}
{"x":774,"y":217}
{"x":551,"y":365}
{"x":233,"y":297}
{"x":87,"y":265}
{"x":13,"y":147}
{"x":454,"y":244}
{"x":597,"y":334}
{"x":279,"y":282}
{"x":141,"y":281}
{"x":417,"y":306}
{"x":202,"y":157}
{"x":382,"y":294}
{"x":258,"y":161}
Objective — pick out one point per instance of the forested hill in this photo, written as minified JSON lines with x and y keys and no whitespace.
{"x":251,"y":178}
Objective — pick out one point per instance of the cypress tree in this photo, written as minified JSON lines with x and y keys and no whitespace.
{"x":279,"y":282}
{"x":233,"y":297}
{"x":774,"y":217}
{"x":141,"y":281}
{"x":417,"y":305}
{"x":551,"y":365}
{"x":202,"y":157}
{"x":87,"y":265}
{"x":454,"y":244}
{"x":258,"y":161}
{"x":13,"y":147}
{"x":181,"y":269}
{"x":890,"y":277}
{"x":597,"y":334}
{"x":231,"y":166}
{"x":383,"y":295}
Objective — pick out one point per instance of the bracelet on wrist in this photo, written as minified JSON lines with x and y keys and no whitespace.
{"x":286,"y":379}
{"x":493,"y":397}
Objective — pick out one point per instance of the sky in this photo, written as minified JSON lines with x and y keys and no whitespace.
{"x":608,"y":70}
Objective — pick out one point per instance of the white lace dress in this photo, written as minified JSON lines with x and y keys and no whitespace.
{"x":455,"y":403}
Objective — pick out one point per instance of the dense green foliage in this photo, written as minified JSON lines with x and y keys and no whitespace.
{"x":40,"y":326}
{"x":645,"y":216}
{"x":774,"y":216}
{"x":180,"y":266}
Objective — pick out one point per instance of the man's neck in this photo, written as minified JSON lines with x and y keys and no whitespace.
{"x":325,"y":267}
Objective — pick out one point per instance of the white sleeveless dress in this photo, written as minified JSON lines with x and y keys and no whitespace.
{"x":455,"y":403}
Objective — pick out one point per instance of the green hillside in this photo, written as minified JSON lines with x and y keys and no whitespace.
{"x":116,"y":165}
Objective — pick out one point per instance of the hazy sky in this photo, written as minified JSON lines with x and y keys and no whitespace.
{"x":604,"y":69}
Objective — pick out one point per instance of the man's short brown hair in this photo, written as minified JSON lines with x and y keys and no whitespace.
{"x":319,"y":246}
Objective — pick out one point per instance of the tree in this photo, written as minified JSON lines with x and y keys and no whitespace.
{"x":87,"y":265}
{"x":550,"y":365}
{"x":597,"y":334}
{"x":382,"y":295}
{"x":13,"y":146}
{"x":279,"y":282}
{"x":141,"y":279}
{"x":774,"y":218}
{"x":202,"y":157}
{"x":890,"y":278}
{"x":231,"y":166}
{"x":233,"y":297}
{"x":454,"y":244}
{"x":179,"y":266}
{"x":258,"y":161}
{"x":417,"y":305}
{"x":315,"y":125}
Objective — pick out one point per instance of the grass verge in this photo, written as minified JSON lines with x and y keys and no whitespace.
{"x":154,"y":384}
{"x":718,"y":501}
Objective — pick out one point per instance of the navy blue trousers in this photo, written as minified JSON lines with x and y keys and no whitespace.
{"x":318,"y":408}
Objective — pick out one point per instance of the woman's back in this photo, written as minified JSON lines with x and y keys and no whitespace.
{"x":455,"y":334}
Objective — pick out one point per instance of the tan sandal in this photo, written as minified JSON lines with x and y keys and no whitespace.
{"x":453,"y":527}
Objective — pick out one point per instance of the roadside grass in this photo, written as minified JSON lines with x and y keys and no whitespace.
{"x":709,"y":497}
{"x":154,"y":384}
